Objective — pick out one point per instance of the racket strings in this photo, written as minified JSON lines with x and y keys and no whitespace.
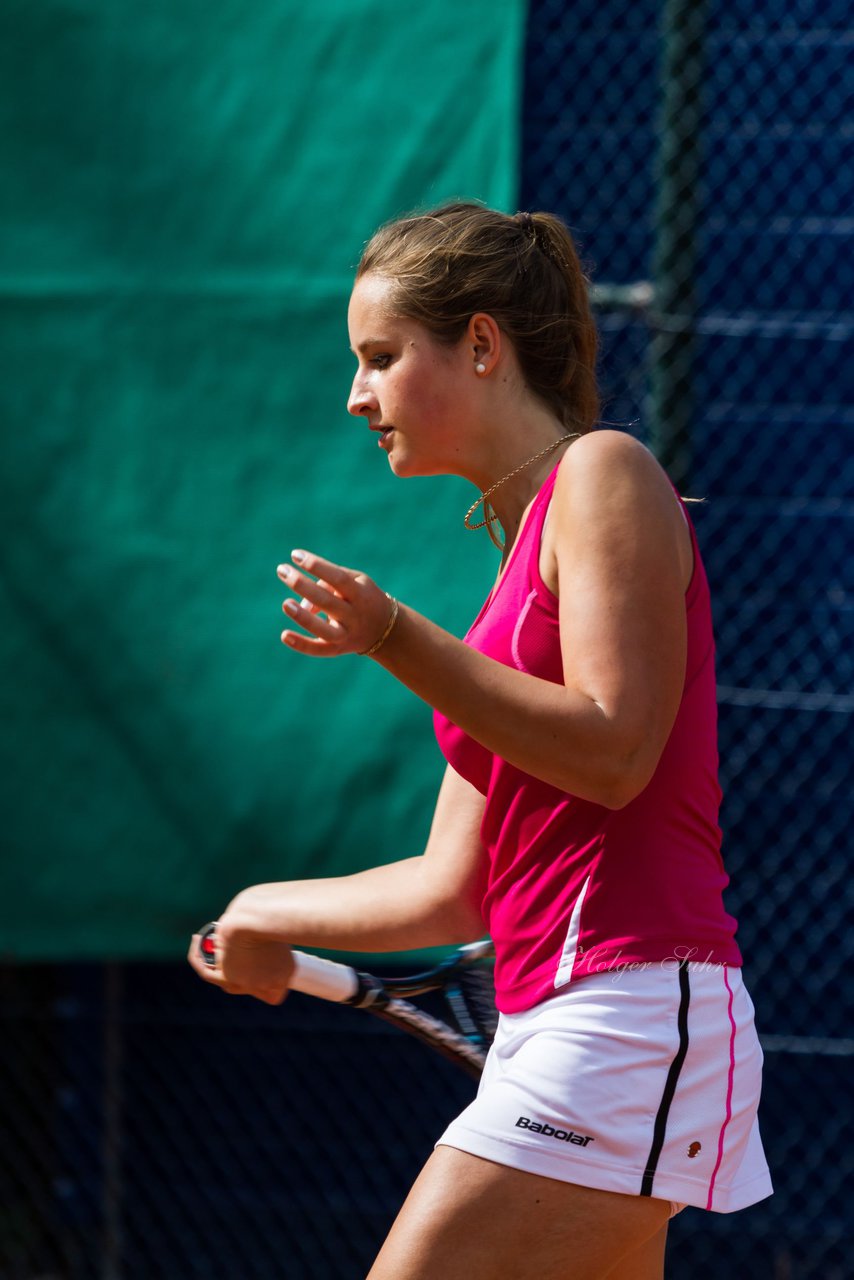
{"x":471,"y":999}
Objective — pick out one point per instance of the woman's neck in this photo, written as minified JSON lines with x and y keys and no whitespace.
{"x":515,"y":492}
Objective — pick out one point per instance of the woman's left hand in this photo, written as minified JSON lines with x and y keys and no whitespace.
{"x":342,"y":610}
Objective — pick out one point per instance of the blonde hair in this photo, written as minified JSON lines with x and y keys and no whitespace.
{"x":523,"y":270}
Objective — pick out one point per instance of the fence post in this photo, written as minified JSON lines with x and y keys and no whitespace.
{"x":671,"y":406}
{"x":113,"y":1123}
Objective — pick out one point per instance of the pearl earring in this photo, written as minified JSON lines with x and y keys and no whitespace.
{"x":480,"y":368}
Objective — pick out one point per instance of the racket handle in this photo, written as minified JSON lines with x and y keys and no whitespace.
{"x":326,"y":979}
{"x":312,"y":975}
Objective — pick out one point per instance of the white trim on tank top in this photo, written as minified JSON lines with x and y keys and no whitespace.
{"x":570,"y":946}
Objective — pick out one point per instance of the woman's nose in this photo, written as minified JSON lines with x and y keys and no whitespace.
{"x":361,"y":399}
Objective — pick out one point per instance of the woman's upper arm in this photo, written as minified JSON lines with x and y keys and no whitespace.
{"x":454,"y":857}
{"x":619,"y":541}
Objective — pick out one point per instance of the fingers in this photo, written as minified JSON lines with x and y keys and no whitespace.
{"x":307,"y":604}
{"x":342,"y":610}
{"x":315,"y":648}
{"x":316,"y":593}
{"x":318,"y":598}
{"x":310,"y":619}
{"x":329,"y":636}
{"x":273,"y":990}
{"x":210,"y":972}
{"x":341,"y":580}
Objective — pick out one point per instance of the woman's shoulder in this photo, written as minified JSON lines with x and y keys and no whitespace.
{"x":607,"y":446}
{"x":609,"y":462}
{"x":611,"y":485}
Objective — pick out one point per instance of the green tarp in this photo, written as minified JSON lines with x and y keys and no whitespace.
{"x":187,"y":188}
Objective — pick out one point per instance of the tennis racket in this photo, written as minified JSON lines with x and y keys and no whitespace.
{"x":463,"y":978}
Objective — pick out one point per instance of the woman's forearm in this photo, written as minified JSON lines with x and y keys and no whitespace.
{"x":394,"y":907}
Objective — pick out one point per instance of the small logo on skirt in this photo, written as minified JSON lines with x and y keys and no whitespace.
{"x":550,"y":1131}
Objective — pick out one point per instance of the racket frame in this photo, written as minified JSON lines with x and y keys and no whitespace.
{"x":387,"y":998}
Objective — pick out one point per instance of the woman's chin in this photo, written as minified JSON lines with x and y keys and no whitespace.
{"x":406,"y":465}
{"x":402,"y":466}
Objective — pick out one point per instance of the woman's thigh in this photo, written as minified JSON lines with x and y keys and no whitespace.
{"x":470,"y":1219}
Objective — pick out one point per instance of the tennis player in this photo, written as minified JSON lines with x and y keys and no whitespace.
{"x":577,"y":822}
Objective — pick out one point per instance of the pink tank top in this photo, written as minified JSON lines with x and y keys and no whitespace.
{"x":574,"y":888}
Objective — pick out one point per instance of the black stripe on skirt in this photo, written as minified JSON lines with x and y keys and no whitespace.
{"x":660,"y":1127}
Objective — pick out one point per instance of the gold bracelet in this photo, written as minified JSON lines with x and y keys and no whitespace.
{"x":395,"y":609}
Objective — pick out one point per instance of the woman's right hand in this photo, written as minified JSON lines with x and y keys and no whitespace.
{"x":245,"y":965}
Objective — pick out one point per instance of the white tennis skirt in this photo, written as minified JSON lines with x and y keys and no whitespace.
{"x":645,"y":1083}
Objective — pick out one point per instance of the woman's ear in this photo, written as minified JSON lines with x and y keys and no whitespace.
{"x":483,"y":337}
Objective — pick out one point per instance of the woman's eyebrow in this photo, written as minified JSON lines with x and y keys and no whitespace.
{"x":370,"y":342}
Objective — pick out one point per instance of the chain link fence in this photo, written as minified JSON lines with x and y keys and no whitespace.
{"x":155,"y":1129}
{"x":703,"y":152}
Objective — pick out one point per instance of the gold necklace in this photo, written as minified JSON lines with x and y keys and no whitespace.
{"x":490,"y":517}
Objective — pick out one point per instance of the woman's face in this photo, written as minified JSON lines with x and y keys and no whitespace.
{"x":410,"y":389}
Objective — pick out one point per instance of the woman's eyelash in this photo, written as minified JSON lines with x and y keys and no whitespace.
{"x":382,"y":361}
